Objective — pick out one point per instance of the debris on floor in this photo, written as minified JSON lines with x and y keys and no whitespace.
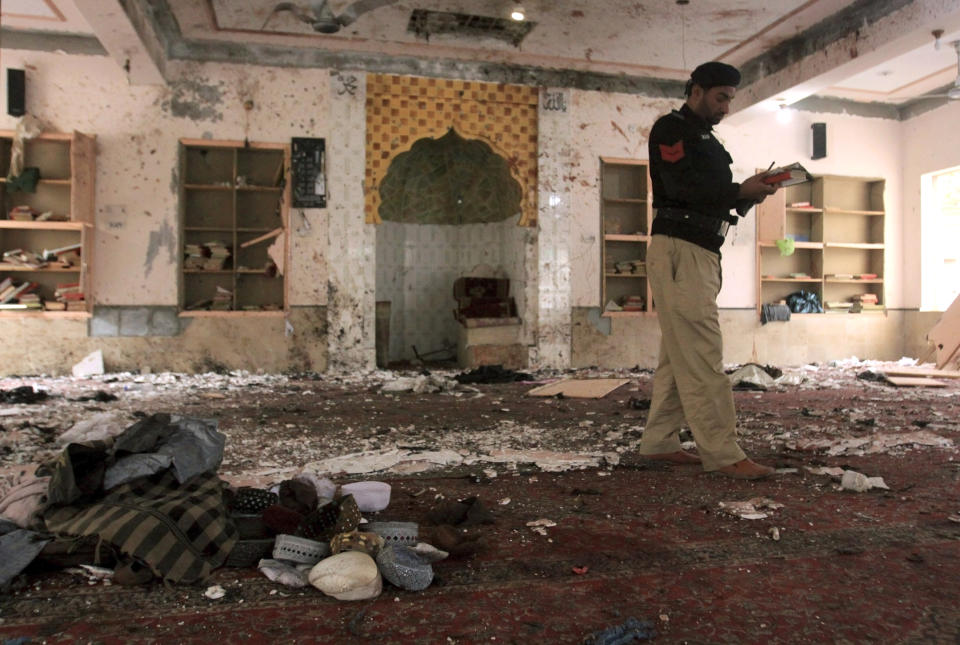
{"x":492,"y":374}
{"x":445,"y":448}
{"x":90,"y":365}
{"x":859,"y":483}
{"x":752,"y":509}
{"x":420,"y":384}
{"x":628,"y":632}
{"x":873,"y":444}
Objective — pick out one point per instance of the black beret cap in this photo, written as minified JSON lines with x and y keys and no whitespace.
{"x":713,"y":74}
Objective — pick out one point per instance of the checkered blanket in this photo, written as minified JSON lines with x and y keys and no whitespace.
{"x":182,"y":531}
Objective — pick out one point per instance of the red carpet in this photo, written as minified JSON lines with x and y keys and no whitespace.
{"x":858,"y":568}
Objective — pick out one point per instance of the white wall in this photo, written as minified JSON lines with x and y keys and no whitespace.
{"x":931,"y":142}
{"x":856,"y":146}
{"x":618,"y":126}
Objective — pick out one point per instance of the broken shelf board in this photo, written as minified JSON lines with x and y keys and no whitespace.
{"x":595,"y":388}
{"x":915,"y":381}
{"x":931,"y":372}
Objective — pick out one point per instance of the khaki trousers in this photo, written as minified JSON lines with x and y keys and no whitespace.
{"x":689,"y":383}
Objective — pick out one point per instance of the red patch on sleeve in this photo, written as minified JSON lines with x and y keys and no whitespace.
{"x":672,"y":153}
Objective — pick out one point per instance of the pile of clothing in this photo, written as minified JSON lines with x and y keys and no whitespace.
{"x":152,"y":494}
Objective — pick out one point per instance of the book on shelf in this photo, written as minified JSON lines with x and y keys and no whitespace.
{"x":223,"y":300}
{"x":15,"y":292}
{"x":787,"y":175}
{"x":20,"y":306}
{"x":633,"y":303}
{"x":216,"y":250}
{"x":76,"y":305}
{"x":21,"y":258}
{"x":866,"y":307}
{"x":66,"y":287}
{"x":22,"y":213}
{"x":54,"y":305}
{"x":866,"y":276}
{"x":837,"y":306}
{"x":800,"y":205}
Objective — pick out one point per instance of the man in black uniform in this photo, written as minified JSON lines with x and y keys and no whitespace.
{"x":693,"y":194}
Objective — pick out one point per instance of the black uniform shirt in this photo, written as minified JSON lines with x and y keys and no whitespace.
{"x":690,"y":170}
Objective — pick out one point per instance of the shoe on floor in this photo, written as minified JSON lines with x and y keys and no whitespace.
{"x":746,"y":469}
{"x":678,"y":457}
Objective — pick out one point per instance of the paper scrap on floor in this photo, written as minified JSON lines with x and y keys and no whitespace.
{"x":915,"y":381}
{"x":595,"y":388}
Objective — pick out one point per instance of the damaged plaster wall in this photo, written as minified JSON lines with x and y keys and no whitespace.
{"x":604,"y":125}
{"x":138,"y":128}
{"x":557,"y":155}
{"x":351,"y":244}
{"x":136,"y":236}
{"x":255,"y":343}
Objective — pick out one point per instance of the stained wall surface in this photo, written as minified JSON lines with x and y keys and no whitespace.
{"x":137,"y":130}
{"x":333,"y":264}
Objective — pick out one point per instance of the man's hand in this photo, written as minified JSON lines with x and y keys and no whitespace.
{"x":756,"y":189}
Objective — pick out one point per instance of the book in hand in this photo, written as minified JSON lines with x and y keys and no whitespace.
{"x":787,"y":175}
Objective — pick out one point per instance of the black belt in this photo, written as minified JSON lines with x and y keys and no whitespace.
{"x":696,"y":220}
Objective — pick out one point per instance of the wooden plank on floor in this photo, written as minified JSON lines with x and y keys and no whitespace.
{"x":931,"y":372}
{"x":915,"y":381}
{"x":594,"y":388}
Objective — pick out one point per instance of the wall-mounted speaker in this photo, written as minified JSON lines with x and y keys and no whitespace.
{"x":819,"y":140}
{"x":16,"y":92}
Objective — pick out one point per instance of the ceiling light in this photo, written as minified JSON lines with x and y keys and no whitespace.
{"x":517,"y":13}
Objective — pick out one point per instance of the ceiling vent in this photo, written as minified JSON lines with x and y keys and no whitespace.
{"x":426,"y":23}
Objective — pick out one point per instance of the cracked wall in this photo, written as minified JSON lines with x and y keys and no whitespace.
{"x":351,"y":241}
{"x":332,"y":251}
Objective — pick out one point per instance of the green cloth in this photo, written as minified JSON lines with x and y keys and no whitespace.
{"x":25,"y":181}
{"x":786,"y":246}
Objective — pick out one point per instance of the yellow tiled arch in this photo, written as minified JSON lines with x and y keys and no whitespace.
{"x":404,"y":109}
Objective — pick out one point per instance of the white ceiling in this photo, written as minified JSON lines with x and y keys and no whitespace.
{"x":639,"y":38}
